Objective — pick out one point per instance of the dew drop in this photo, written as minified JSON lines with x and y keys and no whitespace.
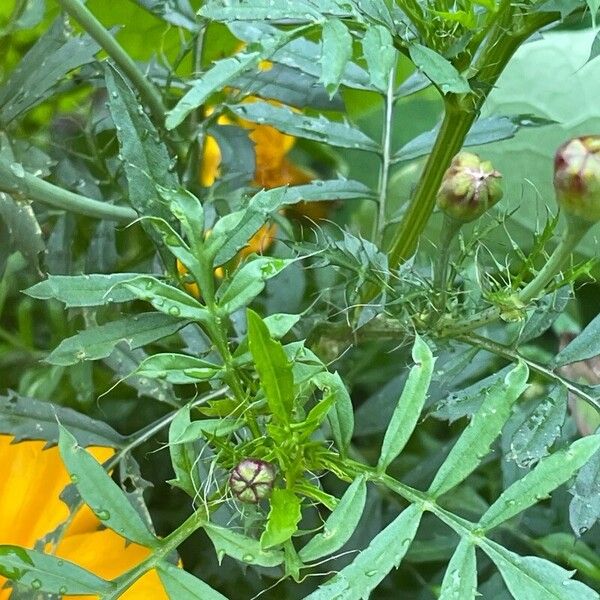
{"x":17,"y":170}
{"x":36,"y":584}
{"x":174,"y":311}
{"x":248,"y":557}
{"x":103,"y":515}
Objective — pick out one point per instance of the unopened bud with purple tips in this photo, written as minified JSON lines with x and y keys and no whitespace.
{"x":252,"y":480}
{"x":577,"y":177}
{"x":470,"y":186}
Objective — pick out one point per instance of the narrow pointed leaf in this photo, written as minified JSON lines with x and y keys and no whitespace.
{"x":369,"y":568}
{"x":460,"y":580}
{"x":177,"y":368}
{"x":584,"y":346}
{"x":284,"y":515}
{"x":337,"y":51}
{"x":340,"y":524}
{"x":438,"y":69}
{"x":409,"y":405}
{"x":184,"y":586}
{"x":484,"y":427}
{"x":380,"y":54}
{"x":101,"y":493}
{"x":584,"y":509}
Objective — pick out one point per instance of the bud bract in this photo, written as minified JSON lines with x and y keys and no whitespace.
{"x":577,"y":177}
{"x":470,"y":186}
{"x":252,"y":480}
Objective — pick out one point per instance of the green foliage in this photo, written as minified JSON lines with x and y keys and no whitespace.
{"x":261,"y":177}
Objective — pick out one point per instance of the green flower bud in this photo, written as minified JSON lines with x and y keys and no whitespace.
{"x":577,"y":177}
{"x":470,"y":186}
{"x":252,"y":480}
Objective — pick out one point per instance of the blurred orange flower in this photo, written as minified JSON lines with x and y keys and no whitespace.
{"x":30,"y":508}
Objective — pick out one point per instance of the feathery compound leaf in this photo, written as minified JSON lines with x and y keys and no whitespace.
{"x":529,"y":577}
{"x":284,"y":515}
{"x":29,"y":419}
{"x":337,"y":51}
{"x":83,"y":290}
{"x":183,"y":585}
{"x":551,"y":472}
{"x":484,"y":427}
{"x":409,"y":405}
{"x":380,"y":54}
{"x":365,"y":573}
{"x":460,"y":580}
{"x":101,"y":493}
{"x":99,"y":342}
{"x":177,"y":368}
{"x":241,"y":547}
{"x":340,"y":525}
{"x":441,"y":72}
{"x":45,"y":573}
{"x":273,"y":367}
{"x":336,"y":133}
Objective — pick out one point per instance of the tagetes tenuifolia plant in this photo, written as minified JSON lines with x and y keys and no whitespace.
{"x":216,"y":386}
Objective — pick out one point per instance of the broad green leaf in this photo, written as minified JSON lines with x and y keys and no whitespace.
{"x":529,"y":577}
{"x":380,"y":54}
{"x":550,"y":472}
{"x":337,"y":51}
{"x":565,"y":548}
{"x":29,"y":419}
{"x":99,"y":342}
{"x":340,"y":524}
{"x":101,"y":493}
{"x":55,"y":54}
{"x":273,"y":367}
{"x":182,"y":585}
{"x":83,"y":290}
{"x":541,"y":427}
{"x":484,"y":427}
{"x":409,"y":406}
{"x":584,"y":510}
{"x":320,"y":129}
{"x":441,"y":72}
{"x":218,"y":76}
{"x":365,"y":573}
{"x":460,"y":580}
{"x":146,"y":159}
{"x":585,"y":345}
{"x":249,"y":281}
{"x":378,"y":11}
{"x":165,"y":298}
{"x":284,"y":515}
{"x":177,"y":368}
{"x":204,"y":428}
{"x":241,"y":547}
{"x":341,"y":418}
{"x":260,"y":10}
{"x":45,"y":573}
{"x":279,"y":324}
{"x":183,"y":456}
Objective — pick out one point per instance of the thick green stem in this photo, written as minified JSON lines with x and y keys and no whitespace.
{"x":450,"y":227}
{"x":149,"y":93}
{"x":15,"y":180}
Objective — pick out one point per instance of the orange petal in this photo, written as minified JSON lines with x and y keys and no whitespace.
{"x":211,"y":160}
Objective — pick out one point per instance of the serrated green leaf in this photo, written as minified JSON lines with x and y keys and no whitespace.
{"x":585,"y":345}
{"x":337,"y":51}
{"x":183,"y":585}
{"x":409,"y":406}
{"x":584,"y":509}
{"x":29,"y":419}
{"x":529,"y":577}
{"x":55,"y":54}
{"x":365,"y":573}
{"x":283,"y":518}
{"x":484,"y":427}
{"x":441,"y":72}
{"x":550,"y":472}
{"x":273,"y":367}
{"x":460,"y":580}
{"x":165,"y":298}
{"x":341,"y":418}
{"x":320,"y":129}
{"x":340,"y":524}
{"x":43,"y":572}
{"x":177,"y":368}
{"x":241,"y":547}
{"x":99,"y":342}
{"x":101,"y":493}
{"x":249,"y":281}
{"x":83,"y":290}
{"x":380,"y":54}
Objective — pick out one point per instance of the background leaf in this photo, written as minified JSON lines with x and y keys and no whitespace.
{"x":337,"y":51}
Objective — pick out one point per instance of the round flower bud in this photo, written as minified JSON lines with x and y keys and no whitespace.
{"x":577,"y":177}
{"x":252,"y":480}
{"x":470,"y":186}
